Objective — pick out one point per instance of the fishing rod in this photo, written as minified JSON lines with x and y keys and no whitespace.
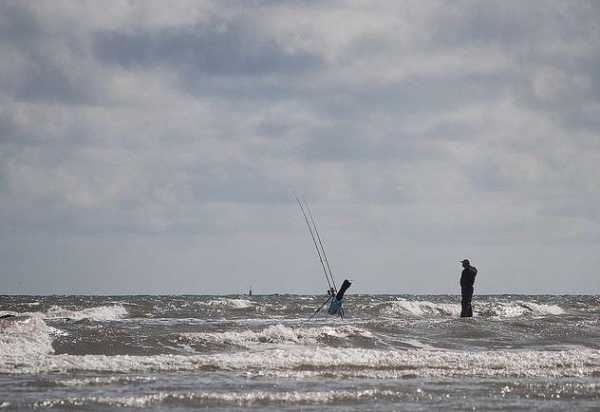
{"x":321,"y":307}
{"x":322,"y":248}
{"x":312,"y":235}
{"x":335,"y":297}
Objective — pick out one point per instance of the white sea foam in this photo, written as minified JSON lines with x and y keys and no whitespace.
{"x":278,"y":334}
{"x":516,"y":309}
{"x":238,"y":398}
{"x":417,"y":344}
{"x":419,"y":308}
{"x":105,"y":380}
{"x":329,"y":361}
{"x":24,"y":337}
{"x":423,"y":308}
{"x":228,"y":303}
{"x":52,"y":331}
{"x":100,"y":313}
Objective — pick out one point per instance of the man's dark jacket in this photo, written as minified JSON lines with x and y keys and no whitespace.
{"x":467,"y":279}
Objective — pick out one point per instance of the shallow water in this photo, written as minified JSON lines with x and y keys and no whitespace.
{"x":261,"y":352}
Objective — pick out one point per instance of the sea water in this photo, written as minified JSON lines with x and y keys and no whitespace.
{"x":230,"y":353}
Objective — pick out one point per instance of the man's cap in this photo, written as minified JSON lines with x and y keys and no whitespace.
{"x":465,"y":261}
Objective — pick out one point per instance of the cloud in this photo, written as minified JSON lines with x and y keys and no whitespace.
{"x":216,"y":48}
{"x":435,"y":126}
{"x":43,"y":63}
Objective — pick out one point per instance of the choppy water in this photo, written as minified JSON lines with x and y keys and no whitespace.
{"x":260,"y":352}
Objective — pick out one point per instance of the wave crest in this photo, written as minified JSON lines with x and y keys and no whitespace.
{"x":228,"y":303}
{"x":278,"y":334}
{"x":22,"y":337}
{"x":338,"y":362}
{"x":99,"y":313}
{"x":422,"y":308}
{"x":209,"y":398}
{"x":419,"y":308}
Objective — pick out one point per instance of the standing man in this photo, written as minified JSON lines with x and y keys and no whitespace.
{"x":467,"y":279}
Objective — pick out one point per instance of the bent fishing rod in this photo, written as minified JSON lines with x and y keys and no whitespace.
{"x":334,"y":294}
{"x":320,"y":254}
{"x":322,"y":248}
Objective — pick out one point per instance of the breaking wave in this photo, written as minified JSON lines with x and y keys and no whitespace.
{"x":420,"y":308}
{"x":97,"y":313}
{"x":278,"y":334}
{"x":235,"y":398}
{"x":297,"y":361}
{"x":516,"y":309}
{"x":24,"y":338}
{"x":103,"y":380}
{"x":230,"y":303}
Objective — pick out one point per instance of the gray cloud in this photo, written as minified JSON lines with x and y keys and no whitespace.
{"x":218,"y":48}
{"x":18,"y":24}
{"x":43,"y":64}
{"x":145,"y":134}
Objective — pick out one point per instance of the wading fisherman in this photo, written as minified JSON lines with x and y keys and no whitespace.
{"x":467,"y":279}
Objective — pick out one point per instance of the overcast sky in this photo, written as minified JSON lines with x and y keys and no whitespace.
{"x":154,"y":147}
